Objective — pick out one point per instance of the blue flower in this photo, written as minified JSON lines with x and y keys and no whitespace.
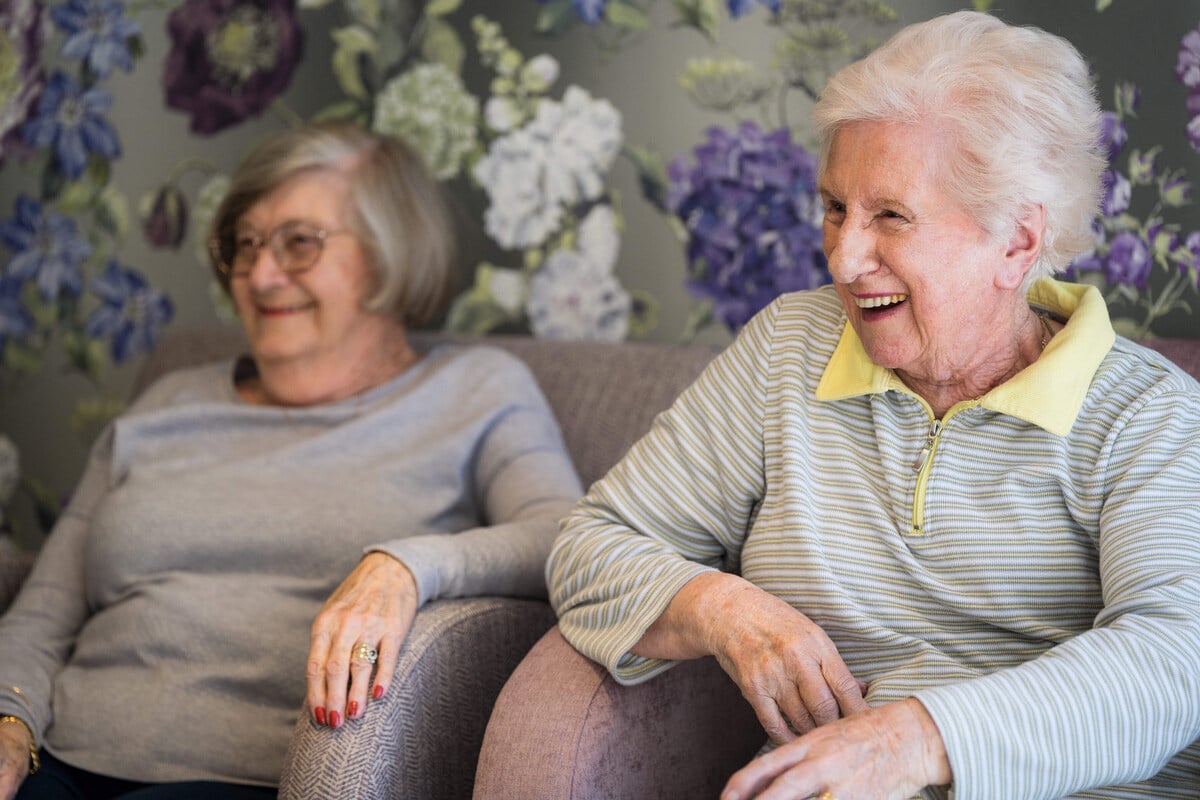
{"x":1118,"y":193}
{"x":97,"y":33}
{"x":750,"y":207}
{"x":72,"y":122}
{"x":15,"y":321}
{"x":47,"y":248}
{"x":739,"y":8}
{"x":590,"y":11}
{"x":1113,"y":135}
{"x":132,"y":313}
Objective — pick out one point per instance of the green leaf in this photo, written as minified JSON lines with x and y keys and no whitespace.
{"x":1103,"y":4}
{"x":86,"y":355}
{"x":983,"y":6}
{"x":45,"y":314}
{"x":475,"y":315}
{"x":699,"y":14}
{"x":699,"y":318}
{"x":651,"y":173}
{"x":441,"y":45}
{"x":555,"y":17}
{"x":351,"y":43}
{"x":626,"y":15}
{"x":346,"y":109}
{"x":112,"y":213}
{"x":21,"y":358}
{"x":440,"y":8}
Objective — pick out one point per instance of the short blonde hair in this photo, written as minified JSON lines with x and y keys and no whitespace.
{"x":399,"y":213}
{"x":1019,"y":105}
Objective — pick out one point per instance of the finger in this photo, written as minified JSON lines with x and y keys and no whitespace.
{"x":762,"y":771}
{"x":773,"y":722}
{"x":385,"y":668}
{"x":797,"y":712}
{"x":337,"y":673}
{"x":848,"y":691}
{"x":362,"y":665}
{"x":314,"y":674}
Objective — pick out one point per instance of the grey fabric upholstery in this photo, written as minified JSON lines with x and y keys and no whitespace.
{"x":422,"y":740}
{"x":562,"y":729}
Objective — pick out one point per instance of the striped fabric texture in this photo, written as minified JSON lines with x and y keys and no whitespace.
{"x":1028,"y":566}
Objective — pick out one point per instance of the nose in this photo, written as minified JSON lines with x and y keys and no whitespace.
{"x":265,"y":271}
{"x":850,"y":249}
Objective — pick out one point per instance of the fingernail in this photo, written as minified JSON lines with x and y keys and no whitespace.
{"x":352,"y":709}
{"x":335,"y":719}
{"x":319,"y":715}
{"x":377,"y":692}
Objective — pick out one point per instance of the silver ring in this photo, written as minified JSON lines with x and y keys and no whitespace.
{"x":365,"y":651}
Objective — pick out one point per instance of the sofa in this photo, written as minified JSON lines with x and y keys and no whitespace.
{"x":422,"y":739}
{"x":489,"y":700}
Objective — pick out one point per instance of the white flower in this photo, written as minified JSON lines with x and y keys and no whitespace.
{"x":559,"y":158}
{"x":571,"y":298}
{"x":539,"y":73}
{"x":506,"y":287}
{"x":429,"y":107}
{"x":500,"y":114}
{"x":598,"y":240}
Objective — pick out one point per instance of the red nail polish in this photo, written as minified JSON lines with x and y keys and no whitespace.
{"x":335,"y":719}
{"x":378,"y":691}
{"x":319,"y":714}
{"x":352,"y":709}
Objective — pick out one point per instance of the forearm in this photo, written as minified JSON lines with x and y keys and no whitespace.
{"x":685,"y":629}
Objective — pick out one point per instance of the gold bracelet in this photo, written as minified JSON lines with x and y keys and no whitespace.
{"x":35,"y":763}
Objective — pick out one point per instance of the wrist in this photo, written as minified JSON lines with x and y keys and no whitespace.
{"x":935,"y":762}
{"x":35,"y":762}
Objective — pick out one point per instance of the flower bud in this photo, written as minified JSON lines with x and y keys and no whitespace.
{"x":164,"y":217}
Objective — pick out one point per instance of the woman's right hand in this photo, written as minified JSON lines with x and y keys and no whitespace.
{"x":786,"y":666}
{"x":14,"y":758}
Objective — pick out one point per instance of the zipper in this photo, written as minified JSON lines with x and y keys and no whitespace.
{"x":921,"y":467}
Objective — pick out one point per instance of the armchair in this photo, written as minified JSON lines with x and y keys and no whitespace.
{"x":423,"y":739}
{"x":563,"y":729}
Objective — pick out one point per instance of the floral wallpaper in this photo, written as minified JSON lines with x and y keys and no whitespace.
{"x":595,"y":206}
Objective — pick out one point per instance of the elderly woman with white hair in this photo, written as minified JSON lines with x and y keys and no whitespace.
{"x":939,"y":523}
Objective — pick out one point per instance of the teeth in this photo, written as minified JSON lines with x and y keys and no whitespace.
{"x":878,"y":302}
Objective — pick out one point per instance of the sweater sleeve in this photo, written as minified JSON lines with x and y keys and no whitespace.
{"x":678,"y":504}
{"x":38,"y":630}
{"x":525,"y":483}
{"x":1112,"y":705}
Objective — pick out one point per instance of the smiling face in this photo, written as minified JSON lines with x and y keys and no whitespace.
{"x":310,"y":328}
{"x":930,"y":293}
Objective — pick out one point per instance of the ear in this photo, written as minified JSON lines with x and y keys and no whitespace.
{"x":1024,"y":246}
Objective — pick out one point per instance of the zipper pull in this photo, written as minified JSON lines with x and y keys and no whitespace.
{"x":934,"y":430}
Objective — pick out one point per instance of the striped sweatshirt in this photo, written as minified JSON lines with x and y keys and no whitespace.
{"x":1028,"y":566}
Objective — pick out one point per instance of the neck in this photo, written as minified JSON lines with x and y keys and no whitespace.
{"x":1023,"y":346}
{"x":289,"y":384}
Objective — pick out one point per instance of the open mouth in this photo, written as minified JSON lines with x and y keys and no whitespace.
{"x":877,"y":306}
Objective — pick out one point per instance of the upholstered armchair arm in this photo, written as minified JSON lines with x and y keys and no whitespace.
{"x":422,"y":738}
{"x":14,"y":567}
{"x":563,"y":729}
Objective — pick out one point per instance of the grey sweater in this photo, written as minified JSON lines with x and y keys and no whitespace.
{"x":163,"y":632}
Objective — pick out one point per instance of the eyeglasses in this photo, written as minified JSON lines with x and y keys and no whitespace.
{"x":295,"y":246}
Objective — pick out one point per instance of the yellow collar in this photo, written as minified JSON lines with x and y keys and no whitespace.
{"x":1047,"y":393}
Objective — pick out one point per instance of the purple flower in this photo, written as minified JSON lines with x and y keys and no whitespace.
{"x":1187,"y":69}
{"x":72,"y":122}
{"x":47,"y":248}
{"x":1113,"y":135}
{"x":750,"y":207}
{"x":1117,"y":193}
{"x":131,"y":314}
{"x":20,"y":71}
{"x":1128,"y":260}
{"x":1191,"y":262}
{"x":97,"y":33}
{"x":164,"y":223}
{"x":1193,"y":126}
{"x":15,"y":321}
{"x":739,"y":8}
{"x":230,"y":58}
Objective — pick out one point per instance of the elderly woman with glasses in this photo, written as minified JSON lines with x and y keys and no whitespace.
{"x":255,"y":534}
{"x":939,"y":524}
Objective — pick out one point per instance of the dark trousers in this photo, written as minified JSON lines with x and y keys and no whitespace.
{"x":59,"y":781}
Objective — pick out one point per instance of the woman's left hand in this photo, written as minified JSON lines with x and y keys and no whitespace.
{"x":375,"y":607}
{"x":890,"y":752}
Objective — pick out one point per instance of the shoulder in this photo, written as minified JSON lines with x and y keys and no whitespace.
{"x":1134,"y":382}
{"x":203,"y":383}
{"x":479,"y":370}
